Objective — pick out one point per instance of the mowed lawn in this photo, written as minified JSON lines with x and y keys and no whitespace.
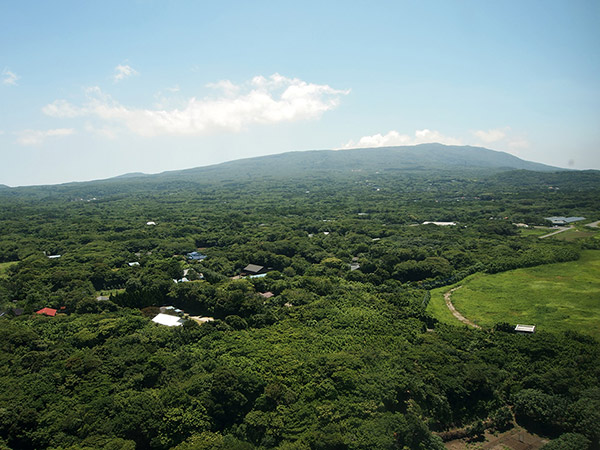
{"x":554,"y":297}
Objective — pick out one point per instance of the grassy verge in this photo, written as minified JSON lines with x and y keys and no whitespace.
{"x":554,"y":297}
{"x":4,"y":267}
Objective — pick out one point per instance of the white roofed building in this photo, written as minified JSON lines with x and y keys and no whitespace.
{"x":168,"y":320}
{"x":525,"y":328}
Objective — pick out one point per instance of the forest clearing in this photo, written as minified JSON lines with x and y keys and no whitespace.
{"x":546,"y":296}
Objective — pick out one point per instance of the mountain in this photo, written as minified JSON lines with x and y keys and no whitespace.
{"x":410,"y":161}
{"x":410,"y":158}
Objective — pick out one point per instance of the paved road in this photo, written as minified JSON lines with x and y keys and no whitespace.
{"x":560,"y":230}
{"x":453,"y":310}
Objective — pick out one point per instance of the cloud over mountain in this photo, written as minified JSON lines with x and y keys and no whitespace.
{"x":262,"y":100}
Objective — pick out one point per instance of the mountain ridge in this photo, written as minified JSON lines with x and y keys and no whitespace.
{"x":296,"y":164}
{"x":417,"y":157}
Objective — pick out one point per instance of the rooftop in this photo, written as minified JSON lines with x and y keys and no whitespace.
{"x":47,"y":312}
{"x":561,"y":219}
{"x":168,"y":320}
{"x":525,"y":328}
{"x":253,"y":268}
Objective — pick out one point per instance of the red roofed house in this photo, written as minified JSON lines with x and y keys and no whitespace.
{"x":47,"y":311}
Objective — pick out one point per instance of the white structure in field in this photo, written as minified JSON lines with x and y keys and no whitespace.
{"x":525,"y":328}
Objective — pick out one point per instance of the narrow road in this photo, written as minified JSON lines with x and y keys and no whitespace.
{"x":595,"y":224}
{"x":560,"y":230}
{"x":453,"y":310}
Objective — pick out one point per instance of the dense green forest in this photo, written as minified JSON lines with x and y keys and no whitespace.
{"x":343,"y":356}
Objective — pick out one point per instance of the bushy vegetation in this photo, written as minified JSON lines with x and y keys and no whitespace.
{"x":337,"y":358}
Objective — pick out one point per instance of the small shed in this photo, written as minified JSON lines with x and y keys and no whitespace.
{"x":525,"y":328}
{"x":254,"y":269}
{"x":47,"y":312}
{"x":196,"y":256}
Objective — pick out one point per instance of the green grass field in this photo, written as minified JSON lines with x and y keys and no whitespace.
{"x":554,"y":297}
{"x":571,"y":235}
{"x":534,"y":231}
{"x":4,"y":266}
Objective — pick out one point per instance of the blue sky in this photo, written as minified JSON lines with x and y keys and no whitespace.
{"x":91,"y":90}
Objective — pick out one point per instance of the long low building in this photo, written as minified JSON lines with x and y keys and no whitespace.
{"x":560,"y":220}
{"x":525,"y":328}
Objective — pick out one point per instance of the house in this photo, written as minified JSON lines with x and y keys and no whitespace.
{"x":132,"y":264}
{"x":525,"y":328}
{"x":47,"y":312}
{"x":559,"y":220}
{"x":267,"y":294}
{"x":151,"y":223}
{"x":54,"y":256}
{"x":196,"y":256}
{"x":102,"y":298}
{"x":168,"y":320}
{"x":254,"y":269}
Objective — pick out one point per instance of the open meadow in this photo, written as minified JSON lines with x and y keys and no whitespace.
{"x":554,"y":297}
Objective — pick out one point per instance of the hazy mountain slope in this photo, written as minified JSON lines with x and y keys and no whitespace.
{"x":420,"y":157}
{"x":426,"y":160}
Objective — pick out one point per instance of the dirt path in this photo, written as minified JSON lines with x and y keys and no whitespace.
{"x":515,"y":439}
{"x":595,"y":224}
{"x":453,"y":310}
{"x":560,"y":230}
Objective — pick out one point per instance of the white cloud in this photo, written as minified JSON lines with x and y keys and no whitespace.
{"x":503,"y":139}
{"x":490,"y":136}
{"x":9,"y":78}
{"x":36,"y":137}
{"x":260,"y":101}
{"x":393,"y":138}
{"x":62,"y":109}
{"x":123,"y":71}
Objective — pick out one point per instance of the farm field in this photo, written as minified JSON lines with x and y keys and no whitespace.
{"x":574,"y":234}
{"x":554,"y":297}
